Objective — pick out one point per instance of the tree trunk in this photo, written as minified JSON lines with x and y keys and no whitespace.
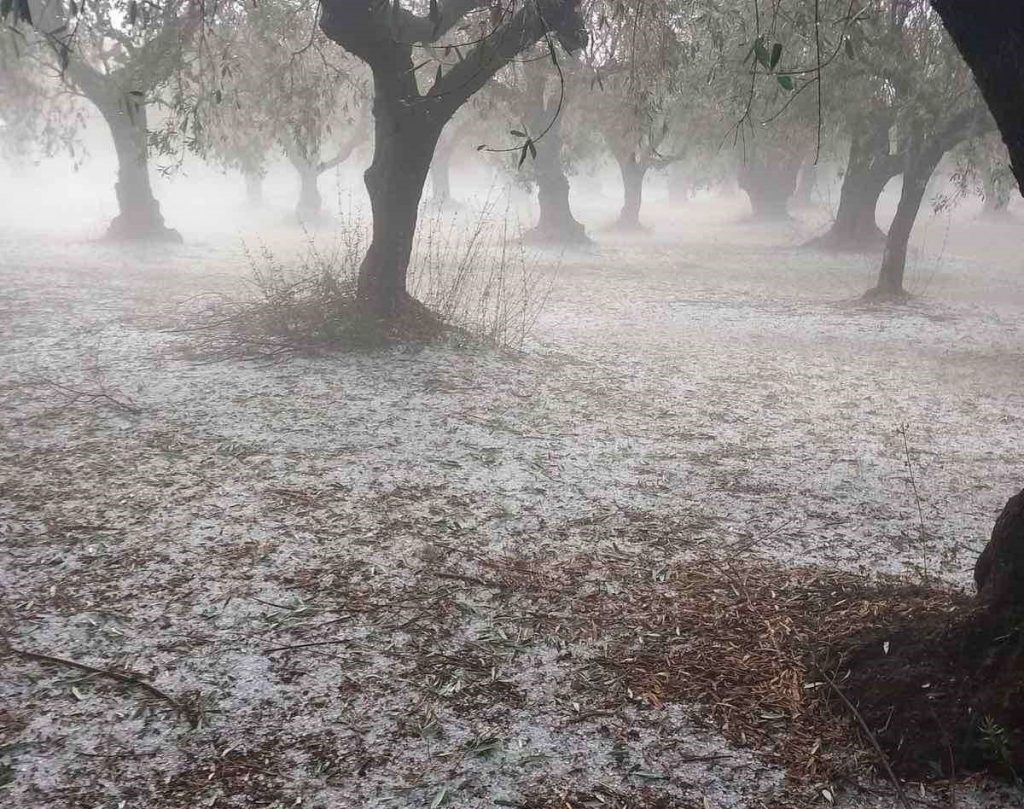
{"x":999,"y":571}
{"x":920,"y":167}
{"x":868,"y":170}
{"x":989,"y":33}
{"x":139,"y":217}
{"x":769,"y":181}
{"x":404,"y":143}
{"x":633,"y":172}
{"x":556,"y":223}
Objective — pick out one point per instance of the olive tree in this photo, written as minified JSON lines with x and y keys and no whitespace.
{"x":466,"y":42}
{"x":117,"y":55}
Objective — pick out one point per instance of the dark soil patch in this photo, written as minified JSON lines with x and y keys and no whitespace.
{"x":944,"y":693}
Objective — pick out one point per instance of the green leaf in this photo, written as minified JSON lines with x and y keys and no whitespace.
{"x":761,"y":51}
{"x":776,"y":55}
{"x":517,"y":133}
{"x":849,"y":48}
{"x":523,"y":153}
{"x":786,"y":82}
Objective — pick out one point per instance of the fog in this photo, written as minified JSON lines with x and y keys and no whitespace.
{"x":583,"y":522}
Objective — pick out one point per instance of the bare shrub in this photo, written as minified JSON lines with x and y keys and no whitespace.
{"x":470,"y":270}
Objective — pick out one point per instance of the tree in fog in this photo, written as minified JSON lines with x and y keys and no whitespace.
{"x":266,"y":79}
{"x":938,"y":107}
{"x":636,"y":58}
{"x":116,"y":54}
{"x":539,"y":96}
{"x":37,"y":118}
{"x":422,"y":75}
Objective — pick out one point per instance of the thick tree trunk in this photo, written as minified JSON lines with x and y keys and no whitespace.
{"x":555,"y":223}
{"x":990,"y":36}
{"x":920,"y":167}
{"x":139,"y":217}
{"x":404,"y":143}
{"x":633,"y":172}
{"x":769,"y":181}
{"x":868,"y":170}
{"x":999,"y":571}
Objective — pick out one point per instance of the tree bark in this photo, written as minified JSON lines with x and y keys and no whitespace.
{"x":139,"y":217}
{"x":990,"y":36}
{"x":999,"y":571}
{"x":633,"y":172}
{"x":404,"y":142}
{"x":769,"y":181}
{"x":869,"y":168}
{"x":556,"y":223}
{"x":408,"y":122}
{"x":920,"y":167}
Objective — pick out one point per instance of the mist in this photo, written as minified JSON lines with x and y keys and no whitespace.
{"x":608,"y":434}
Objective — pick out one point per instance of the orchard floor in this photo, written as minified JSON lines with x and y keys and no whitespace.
{"x":427,"y":576}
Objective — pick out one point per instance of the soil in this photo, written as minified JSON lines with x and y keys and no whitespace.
{"x":943,"y":693}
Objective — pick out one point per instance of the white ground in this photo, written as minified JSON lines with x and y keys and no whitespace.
{"x":709,"y":382}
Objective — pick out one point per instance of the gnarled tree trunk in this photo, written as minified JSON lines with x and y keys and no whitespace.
{"x":633,"y":172}
{"x":868,"y":170}
{"x":989,"y":35}
{"x":556,"y":223}
{"x":139,"y":217}
{"x":999,"y":571}
{"x":919,"y":169}
{"x":769,"y":181}
{"x":404,"y":141}
{"x":408,"y":122}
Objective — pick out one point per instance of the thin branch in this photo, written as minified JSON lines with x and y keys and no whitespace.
{"x":126,"y":679}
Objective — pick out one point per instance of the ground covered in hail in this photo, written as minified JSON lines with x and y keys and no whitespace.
{"x":613,"y":570}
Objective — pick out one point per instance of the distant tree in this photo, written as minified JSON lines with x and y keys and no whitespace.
{"x":117,"y":55}
{"x":636,"y":61}
{"x":265,"y":79}
{"x":37,"y":117}
{"x":465,"y":43}
{"x":938,"y":108}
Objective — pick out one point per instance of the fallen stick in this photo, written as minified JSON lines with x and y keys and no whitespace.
{"x":125,"y":679}
{"x":900,"y":792}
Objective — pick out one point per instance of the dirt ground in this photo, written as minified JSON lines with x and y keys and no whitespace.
{"x":425,"y":576}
